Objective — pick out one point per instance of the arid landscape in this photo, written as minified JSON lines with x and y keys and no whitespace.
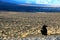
{"x":25,"y":24}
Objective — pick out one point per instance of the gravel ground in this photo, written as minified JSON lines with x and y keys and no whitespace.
{"x":25,"y":24}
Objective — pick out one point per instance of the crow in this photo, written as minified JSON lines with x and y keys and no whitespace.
{"x":44,"y":30}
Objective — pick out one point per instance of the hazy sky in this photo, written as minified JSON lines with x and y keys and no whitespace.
{"x":50,"y":1}
{"x":41,"y":1}
{"x":34,"y":1}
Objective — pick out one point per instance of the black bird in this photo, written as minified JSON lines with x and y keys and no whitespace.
{"x":44,"y":30}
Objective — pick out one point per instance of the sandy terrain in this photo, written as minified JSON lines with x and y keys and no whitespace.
{"x":23,"y":24}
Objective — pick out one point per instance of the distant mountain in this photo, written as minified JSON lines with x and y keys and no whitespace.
{"x":26,"y":8}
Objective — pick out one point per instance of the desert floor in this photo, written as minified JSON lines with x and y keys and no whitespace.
{"x":27,"y":24}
